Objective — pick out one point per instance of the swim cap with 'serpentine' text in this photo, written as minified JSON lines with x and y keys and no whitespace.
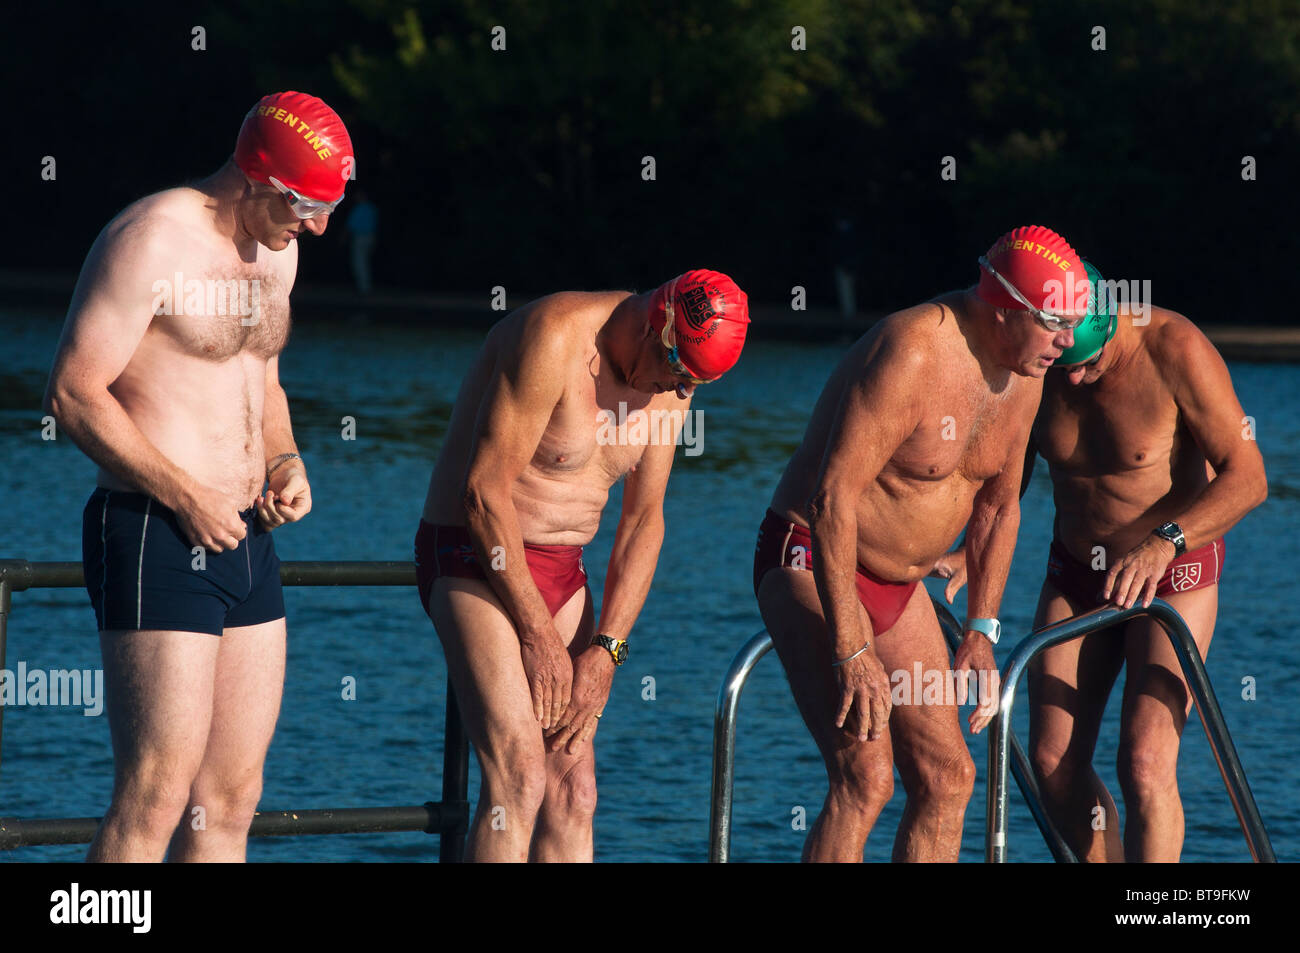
{"x":710,"y":318}
{"x":1040,"y":264}
{"x":299,"y":140}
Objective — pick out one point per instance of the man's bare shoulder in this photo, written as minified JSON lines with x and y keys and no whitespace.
{"x":158,"y":226}
{"x":554,"y":328}
{"x":566,"y":318}
{"x":1176,"y":345}
{"x":912,"y":338}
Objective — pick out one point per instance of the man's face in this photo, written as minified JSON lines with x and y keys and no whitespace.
{"x":267,"y":217}
{"x":1086,"y":373}
{"x":653,"y":375}
{"x":1033,"y":348}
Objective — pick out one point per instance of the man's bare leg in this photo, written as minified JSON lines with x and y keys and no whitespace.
{"x":929,"y":749}
{"x":487,"y":673}
{"x":159,"y":688}
{"x":564,"y":824}
{"x":861,"y":774}
{"x":1068,"y":688}
{"x":245,"y":705}
{"x":1156,"y":704}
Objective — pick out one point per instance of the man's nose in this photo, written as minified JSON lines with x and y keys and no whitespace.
{"x":317,"y":223}
{"x":1064,"y":339}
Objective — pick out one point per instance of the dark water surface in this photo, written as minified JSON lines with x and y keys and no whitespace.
{"x":653,"y":756}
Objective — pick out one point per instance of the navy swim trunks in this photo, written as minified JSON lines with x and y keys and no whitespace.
{"x":141,"y":573}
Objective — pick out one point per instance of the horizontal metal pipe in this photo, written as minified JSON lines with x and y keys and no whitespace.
{"x":430,"y":817}
{"x":22,"y":574}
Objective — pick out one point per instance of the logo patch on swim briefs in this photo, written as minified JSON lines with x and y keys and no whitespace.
{"x":698,"y":308}
{"x":1185,"y":577}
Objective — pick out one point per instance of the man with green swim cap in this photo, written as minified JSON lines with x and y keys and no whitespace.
{"x":1097,"y":328}
{"x":1151,"y":463}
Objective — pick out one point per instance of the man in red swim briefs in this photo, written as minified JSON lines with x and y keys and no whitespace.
{"x":551,"y":414}
{"x":921,"y":427}
{"x":1152,"y":460}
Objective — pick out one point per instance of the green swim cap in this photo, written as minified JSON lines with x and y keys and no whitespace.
{"x":1097,"y":328}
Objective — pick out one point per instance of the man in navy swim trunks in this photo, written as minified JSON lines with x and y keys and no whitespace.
{"x":1152,"y":461}
{"x":167,"y":376}
{"x":921,"y":427}
{"x":569,"y":394}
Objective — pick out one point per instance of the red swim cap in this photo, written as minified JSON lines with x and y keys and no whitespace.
{"x":710,"y":318}
{"x":1040,"y":264}
{"x":299,"y":140}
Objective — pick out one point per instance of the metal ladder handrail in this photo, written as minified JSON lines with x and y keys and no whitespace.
{"x":448,"y":818}
{"x":1198,"y":682}
{"x":724,"y":748}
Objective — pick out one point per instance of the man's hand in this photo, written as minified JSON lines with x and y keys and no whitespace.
{"x":951,"y":566}
{"x":550,"y":676}
{"x":975,"y":657}
{"x":1138,"y":573}
{"x":287,"y":498}
{"x":863,"y":682}
{"x":593,"y":673}
{"x":210,"y":518}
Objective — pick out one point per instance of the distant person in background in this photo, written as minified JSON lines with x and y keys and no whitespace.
{"x":167,"y":376}
{"x":847,"y":255}
{"x":518,"y":490}
{"x":920,"y":429}
{"x":1152,"y":461}
{"x":361,"y":227}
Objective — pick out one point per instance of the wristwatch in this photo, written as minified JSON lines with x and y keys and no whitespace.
{"x":1174,"y":533}
{"x":992,"y":628}
{"x":615,"y":647}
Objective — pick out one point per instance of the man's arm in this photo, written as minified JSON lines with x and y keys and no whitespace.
{"x":1208,"y":404}
{"x":876,"y":415}
{"x":112,"y":308}
{"x":990,"y":544}
{"x":1202,"y":389}
{"x":516,"y":409}
{"x":288,"y":495}
{"x":632,"y":562}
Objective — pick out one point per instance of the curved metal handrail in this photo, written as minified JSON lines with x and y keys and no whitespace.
{"x":1198,"y":682}
{"x":724,"y":748}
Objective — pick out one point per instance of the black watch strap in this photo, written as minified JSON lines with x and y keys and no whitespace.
{"x":617,"y":648}
{"x":1174,"y":533}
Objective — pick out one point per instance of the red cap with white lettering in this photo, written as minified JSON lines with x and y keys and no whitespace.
{"x":300,"y":141}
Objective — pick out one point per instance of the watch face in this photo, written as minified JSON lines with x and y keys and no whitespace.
{"x":620,"y":654}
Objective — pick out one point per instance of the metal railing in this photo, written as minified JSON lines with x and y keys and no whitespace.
{"x":724,"y":748}
{"x":1198,"y":682}
{"x":449,"y":818}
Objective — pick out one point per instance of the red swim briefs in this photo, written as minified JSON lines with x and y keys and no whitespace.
{"x":1192,"y":570}
{"x":786,"y":544}
{"x":448,"y":551}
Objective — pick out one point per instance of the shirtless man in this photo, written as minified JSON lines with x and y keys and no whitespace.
{"x":167,"y":377}
{"x":545,"y":422}
{"x":1152,"y":461}
{"x":921,"y":427}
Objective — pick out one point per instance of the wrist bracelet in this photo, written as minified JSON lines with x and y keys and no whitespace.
{"x":286,"y":457}
{"x":851,"y":657}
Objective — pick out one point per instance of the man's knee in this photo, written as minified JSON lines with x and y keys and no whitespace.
{"x":151,"y":799}
{"x":1053,"y":766}
{"x":575,"y":792}
{"x":227,"y":803}
{"x":516,"y":773}
{"x":863,"y":784}
{"x":1147,"y":769}
{"x":947,"y":777}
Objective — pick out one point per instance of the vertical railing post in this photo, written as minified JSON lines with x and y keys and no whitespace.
{"x":455,"y":780}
